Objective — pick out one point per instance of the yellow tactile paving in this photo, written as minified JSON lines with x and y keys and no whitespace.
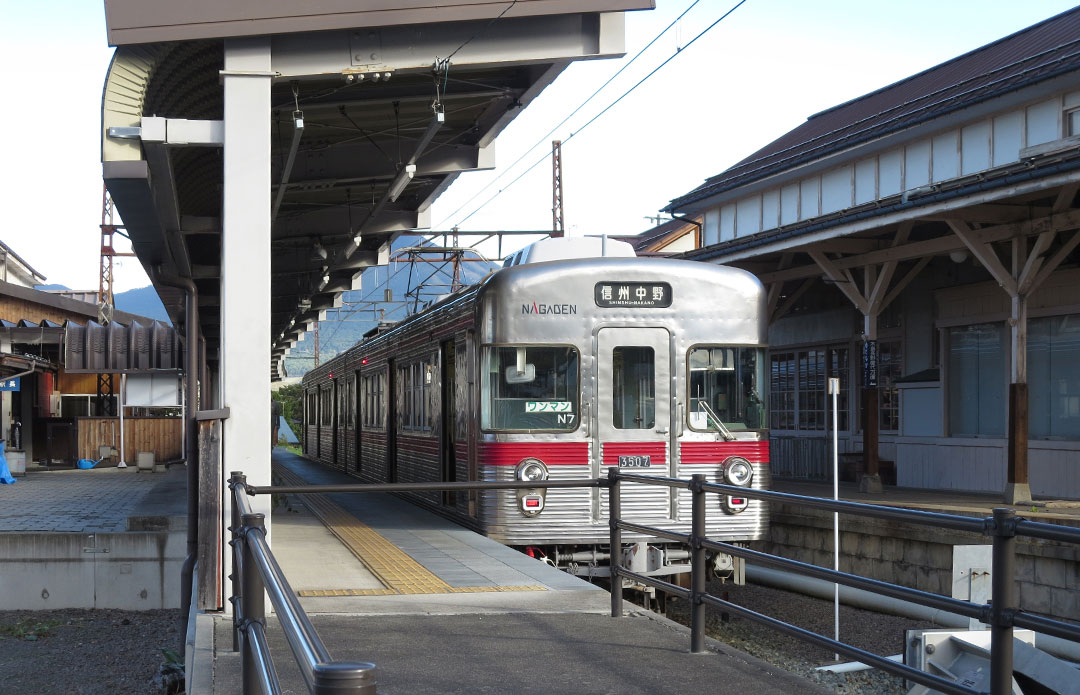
{"x":397,"y":571}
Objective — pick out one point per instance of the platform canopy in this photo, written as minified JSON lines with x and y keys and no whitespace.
{"x":376,"y":107}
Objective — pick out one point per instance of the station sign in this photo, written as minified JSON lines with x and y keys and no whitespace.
{"x":870,"y":364}
{"x":648,"y":295}
{"x":11,"y":384}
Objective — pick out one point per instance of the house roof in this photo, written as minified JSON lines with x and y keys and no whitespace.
{"x":11,"y":252}
{"x":1035,"y":54}
{"x":64,"y":305}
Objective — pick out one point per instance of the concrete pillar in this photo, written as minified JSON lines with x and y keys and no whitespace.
{"x":245,"y":268}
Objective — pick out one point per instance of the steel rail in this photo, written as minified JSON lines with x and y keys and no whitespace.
{"x":953,"y":522}
{"x":255,"y":633}
{"x":422,"y":487}
{"x":653,"y":531}
{"x":925,"y":598}
{"x":1047,"y":532}
{"x":654,"y":480}
{"x":655,"y":583}
{"x":1049,"y":626}
{"x":860,"y":655}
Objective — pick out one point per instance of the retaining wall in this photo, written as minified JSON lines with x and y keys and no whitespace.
{"x":130,"y":571}
{"x":921,"y":557}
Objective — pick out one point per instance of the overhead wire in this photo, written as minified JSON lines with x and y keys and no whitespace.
{"x":602,"y":112}
{"x":582,"y":105}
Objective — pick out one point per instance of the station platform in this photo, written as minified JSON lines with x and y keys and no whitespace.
{"x":440,"y":609}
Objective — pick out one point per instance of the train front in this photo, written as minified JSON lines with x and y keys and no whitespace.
{"x":655,"y":366}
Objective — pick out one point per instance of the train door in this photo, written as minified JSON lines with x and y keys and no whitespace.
{"x":335,"y":424}
{"x":391,"y":421}
{"x":448,"y":427}
{"x":358,"y":419}
{"x":634,"y":414}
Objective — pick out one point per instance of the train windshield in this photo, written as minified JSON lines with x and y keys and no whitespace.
{"x":529,"y":387}
{"x":727,"y":387}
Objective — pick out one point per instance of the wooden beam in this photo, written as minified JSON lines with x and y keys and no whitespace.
{"x":904,"y":282}
{"x":887,"y":270}
{"x":939,"y":246}
{"x":843,"y":280}
{"x":790,"y":300}
{"x":1065,"y":197}
{"x":1034,"y":261}
{"x":986,"y":255}
{"x":1052,"y":264}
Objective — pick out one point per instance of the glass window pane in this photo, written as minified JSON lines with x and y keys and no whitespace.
{"x":633,"y":389}
{"x":530,"y":388}
{"x":1054,"y":377}
{"x":728,"y":383}
{"x":977,"y":380}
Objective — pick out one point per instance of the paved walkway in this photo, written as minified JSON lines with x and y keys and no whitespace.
{"x":79,"y":501}
{"x":488,"y":620}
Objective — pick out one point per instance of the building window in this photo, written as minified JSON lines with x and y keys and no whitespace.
{"x":1054,"y":377}
{"x":799,"y":389}
{"x":1072,"y":122}
{"x":976,"y":364}
{"x":890,"y":368}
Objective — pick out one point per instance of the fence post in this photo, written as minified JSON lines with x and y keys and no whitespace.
{"x":1003,"y":602}
{"x":251,"y":600}
{"x":344,"y":678}
{"x":235,"y":478}
{"x":615,"y":542}
{"x":697,"y":569}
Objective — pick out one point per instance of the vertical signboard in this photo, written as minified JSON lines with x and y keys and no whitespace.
{"x":870,"y":364}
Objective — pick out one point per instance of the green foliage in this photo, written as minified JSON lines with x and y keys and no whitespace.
{"x":29,"y":629}
{"x":291,"y":398}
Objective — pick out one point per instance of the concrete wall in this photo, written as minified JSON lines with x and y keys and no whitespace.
{"x":130,"y":571}
{"x":1047,"y":573}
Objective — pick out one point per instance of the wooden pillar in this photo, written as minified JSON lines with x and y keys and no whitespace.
{"x":1017,"y":488}
{"x":871,"y":478}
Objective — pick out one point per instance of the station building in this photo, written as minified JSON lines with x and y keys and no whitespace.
{"x":919,"y":244}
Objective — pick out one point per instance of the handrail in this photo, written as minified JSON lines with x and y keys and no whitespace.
{"x":256,"y":571}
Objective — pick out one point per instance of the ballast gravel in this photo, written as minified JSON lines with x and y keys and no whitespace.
{"x":878,"y":633}
{"x":86,"y":652}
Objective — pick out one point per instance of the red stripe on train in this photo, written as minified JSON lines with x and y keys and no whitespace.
{"x":715,"y":452}
{"x":657,"y":451}
{"x":551,"y":453}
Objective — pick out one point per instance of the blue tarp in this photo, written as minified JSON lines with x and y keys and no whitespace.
{"x":285,"y":432}
{"x":5,"y":474}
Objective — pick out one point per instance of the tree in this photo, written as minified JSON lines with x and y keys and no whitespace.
{"x":291,"y":398}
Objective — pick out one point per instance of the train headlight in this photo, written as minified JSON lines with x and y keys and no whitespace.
{"x":531,"y":501}
{"x":738,"y":471}
{"x":532,"y":470}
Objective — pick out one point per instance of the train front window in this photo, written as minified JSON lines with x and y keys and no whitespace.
{"x":633,"y":388}
{"x":726,"y":389}
{"x":530,"y":387}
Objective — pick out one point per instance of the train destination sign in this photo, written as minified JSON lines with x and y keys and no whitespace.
{"x":647,"y":295}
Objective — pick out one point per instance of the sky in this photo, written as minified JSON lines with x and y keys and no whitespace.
{"x":751,"y":78}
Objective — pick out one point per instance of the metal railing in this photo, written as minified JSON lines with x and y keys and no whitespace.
{"x":256,"y":570}
{"x":1001,"y":614}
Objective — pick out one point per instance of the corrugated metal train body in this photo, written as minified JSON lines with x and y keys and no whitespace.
{"x":492,"y":313}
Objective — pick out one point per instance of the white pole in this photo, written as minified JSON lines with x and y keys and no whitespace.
{"x":120,"y":398}
{"x":834,"y":389}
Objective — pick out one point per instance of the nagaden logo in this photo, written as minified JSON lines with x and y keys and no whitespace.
{"x":544,"y":309}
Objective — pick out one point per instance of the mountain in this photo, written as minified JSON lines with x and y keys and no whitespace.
{"x":142,"y":301}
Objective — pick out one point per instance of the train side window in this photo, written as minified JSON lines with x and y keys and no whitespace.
{"x":529,"y":388}
{"x":633,"y":391}
{"x":726,"y":384}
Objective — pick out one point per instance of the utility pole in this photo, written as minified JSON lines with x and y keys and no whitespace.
{"x":105,"y":403}
{"x":316,"y":343}
{"x":558,"y":224}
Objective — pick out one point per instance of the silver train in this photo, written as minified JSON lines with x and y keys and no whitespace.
{"x":561,"y":370}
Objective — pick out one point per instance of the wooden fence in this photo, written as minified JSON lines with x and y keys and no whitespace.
{"x":161,"y":435}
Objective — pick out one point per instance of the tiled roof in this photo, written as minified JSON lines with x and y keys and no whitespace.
{"x":1038,"y":53}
